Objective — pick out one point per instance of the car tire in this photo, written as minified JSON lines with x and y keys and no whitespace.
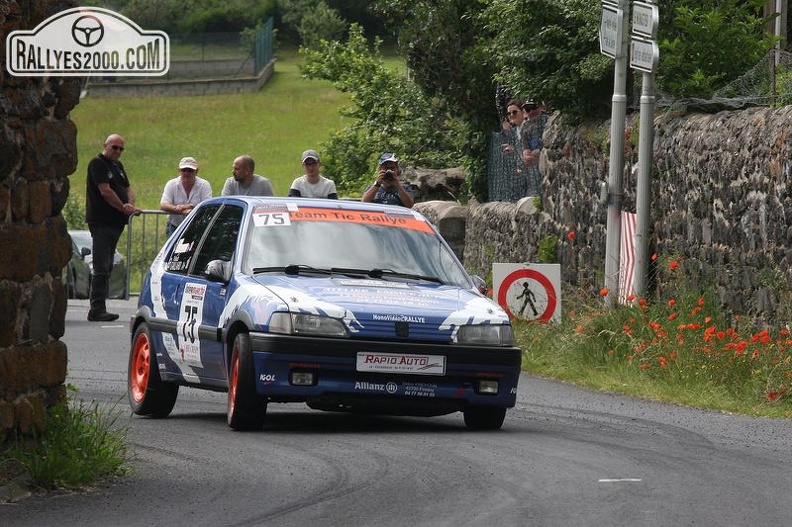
{"x":484,"y":417}
{"x":246,"y":408}
{"x":148,"y":395}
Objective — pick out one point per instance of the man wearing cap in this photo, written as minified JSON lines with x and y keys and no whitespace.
{"x":183,"y":193}
{"x":312,"y":184}
{"x":387,"y":188}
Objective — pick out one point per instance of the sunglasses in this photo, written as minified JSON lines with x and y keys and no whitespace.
{"x":514,"y":112}
{"x":117,"y":148}
{"x":311,"y":163}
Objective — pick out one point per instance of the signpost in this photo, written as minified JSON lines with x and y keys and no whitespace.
{"x":644,"y":57}
{"x":613,"y":42}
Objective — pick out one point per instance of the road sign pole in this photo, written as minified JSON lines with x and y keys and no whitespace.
{"x":644,"y":56}
{"x":618,"y":115}
{"x":644,"y":184}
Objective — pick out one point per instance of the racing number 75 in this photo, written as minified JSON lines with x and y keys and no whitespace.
{"x":188,"y":329}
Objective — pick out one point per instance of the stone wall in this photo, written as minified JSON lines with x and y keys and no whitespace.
{"x":721,"y":206}
{"x":37,"y":152}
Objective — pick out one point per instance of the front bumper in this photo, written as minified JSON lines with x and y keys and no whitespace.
{"x":340,"y":386}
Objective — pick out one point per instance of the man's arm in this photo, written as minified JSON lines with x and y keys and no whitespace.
{"x":406,"y":197}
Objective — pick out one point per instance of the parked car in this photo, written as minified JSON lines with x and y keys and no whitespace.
{"x":343,"y":305}
{"x":77,"y":274}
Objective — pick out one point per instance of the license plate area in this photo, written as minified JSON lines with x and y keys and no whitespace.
{"x":402,"y":363}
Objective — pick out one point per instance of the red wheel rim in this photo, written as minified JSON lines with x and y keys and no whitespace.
{"x":141,"y":367}
{"x":232,"y":382}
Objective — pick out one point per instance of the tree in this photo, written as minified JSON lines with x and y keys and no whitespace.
{"x":389,"y":113}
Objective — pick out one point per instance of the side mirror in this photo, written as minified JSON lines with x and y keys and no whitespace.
{"x":218,"y":271}
{"x":85,"y":251}
{"x":481,"y":285}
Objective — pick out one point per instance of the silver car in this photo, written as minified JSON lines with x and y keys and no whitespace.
{"x":77,"y":274}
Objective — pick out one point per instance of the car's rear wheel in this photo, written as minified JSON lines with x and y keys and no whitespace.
{"x":484,"y":417}
{"x":148,"y":395}
{"x":246,"y":408}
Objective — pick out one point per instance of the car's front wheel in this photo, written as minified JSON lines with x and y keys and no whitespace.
{"x":246,"y":408}
{"x":484,"y":417}
{"x":148,"y":395}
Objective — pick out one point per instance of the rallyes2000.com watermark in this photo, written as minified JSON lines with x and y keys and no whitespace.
{"x":87,"y":41}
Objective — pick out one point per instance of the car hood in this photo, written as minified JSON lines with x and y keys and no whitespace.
{"x":370,"y":307}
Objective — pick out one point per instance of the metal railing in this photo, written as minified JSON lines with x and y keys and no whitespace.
{"x":147,"y":243}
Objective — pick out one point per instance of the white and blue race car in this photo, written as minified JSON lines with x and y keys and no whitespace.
{"x":343,"y":305}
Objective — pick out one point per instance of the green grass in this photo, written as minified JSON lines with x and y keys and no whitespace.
{"x":81,"y":445}
{"x":275,"y":125}
{"x":679,"y":351}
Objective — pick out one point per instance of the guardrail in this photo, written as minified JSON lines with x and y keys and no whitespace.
{"x":148,"y":241}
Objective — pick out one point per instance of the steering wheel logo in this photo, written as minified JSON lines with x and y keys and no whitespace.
{"x":87,"y":31}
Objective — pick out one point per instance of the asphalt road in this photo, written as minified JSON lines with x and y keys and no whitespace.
{"x":565,"y":457}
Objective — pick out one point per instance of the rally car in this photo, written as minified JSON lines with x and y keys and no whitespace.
{"x":343,"y":305}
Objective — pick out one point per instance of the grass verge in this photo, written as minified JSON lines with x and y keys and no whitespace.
{"x":680,"y":350}
{"x":82,"y":444}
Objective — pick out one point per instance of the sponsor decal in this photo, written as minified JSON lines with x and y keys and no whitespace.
{"x":390,"y":387}
{"x":87,"y":41}
{"x":267,"y":378}
{"x":190,"y":317}
{"x":399,"y":318}
{"x":420,"y":389}
{"x":405,"y":221}
{"x":401,"y":363}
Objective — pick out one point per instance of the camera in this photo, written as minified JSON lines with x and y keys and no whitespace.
{"x":388,"y":175}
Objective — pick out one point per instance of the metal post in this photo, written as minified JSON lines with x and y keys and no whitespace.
{"x":644,"y":185}
{"x":618,"y":114}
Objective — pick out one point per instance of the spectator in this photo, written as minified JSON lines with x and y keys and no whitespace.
{"x":245,"y":182}
{"x":388,"y":188}
{"x":183,"y":193}
{"x":512,"y":150}
{"x":531,"y":132}
{"x":109,"y":201}
{"x":312,"y":184}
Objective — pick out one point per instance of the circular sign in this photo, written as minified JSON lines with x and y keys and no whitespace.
{"x":529,"y":274}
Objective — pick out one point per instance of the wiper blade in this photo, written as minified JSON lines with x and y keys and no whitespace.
{"x":291,"y":269}
{"x":379,"y":273}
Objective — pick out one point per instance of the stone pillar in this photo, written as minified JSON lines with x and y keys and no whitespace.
{"x":38,"y":151}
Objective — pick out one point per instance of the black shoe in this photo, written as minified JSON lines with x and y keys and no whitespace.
{"x":101,"y":316}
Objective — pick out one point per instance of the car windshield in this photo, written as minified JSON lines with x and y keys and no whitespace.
{"x":378,"y":245}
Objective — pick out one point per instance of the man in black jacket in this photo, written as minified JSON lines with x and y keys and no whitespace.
{"x":109,"y":201}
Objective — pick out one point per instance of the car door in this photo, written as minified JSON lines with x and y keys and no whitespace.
{"x":200,"y":301}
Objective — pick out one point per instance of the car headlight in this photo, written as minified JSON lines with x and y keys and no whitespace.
{"x":306,"y":324}
{"x":486,"y":334}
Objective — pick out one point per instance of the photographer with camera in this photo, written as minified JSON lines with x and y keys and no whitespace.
{"x":387,"y":188}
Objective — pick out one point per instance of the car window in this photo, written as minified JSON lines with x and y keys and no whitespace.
{"x":184,"y":250}
{"x":359,"y":243}
{"x":221,"y":239}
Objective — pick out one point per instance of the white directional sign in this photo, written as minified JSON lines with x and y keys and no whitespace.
{"x":645,"y":19}
{"x":610,"y":34}
{"x":644,"y":55}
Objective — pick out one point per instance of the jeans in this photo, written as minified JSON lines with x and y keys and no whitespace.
{"x":105,"y":240}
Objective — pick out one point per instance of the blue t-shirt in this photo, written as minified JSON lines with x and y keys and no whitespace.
{"x":389,"y":195}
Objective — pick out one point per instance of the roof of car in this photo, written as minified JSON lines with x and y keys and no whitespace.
{"x":340,"y":204}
